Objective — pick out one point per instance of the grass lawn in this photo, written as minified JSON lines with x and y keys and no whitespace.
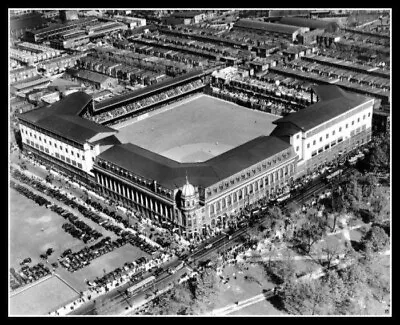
{"x":198,"y":129}
{"x":41,"y":298}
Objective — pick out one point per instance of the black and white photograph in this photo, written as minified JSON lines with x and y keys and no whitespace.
{"x":194,"y":162}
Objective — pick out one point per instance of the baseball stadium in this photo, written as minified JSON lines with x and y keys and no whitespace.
{"x":185,"y":159}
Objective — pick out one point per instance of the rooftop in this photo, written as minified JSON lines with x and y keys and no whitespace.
{"x":268,"y":27}
{"x":172,"y":174}
{"x":62,"y":118}
{"x":334,"y":101}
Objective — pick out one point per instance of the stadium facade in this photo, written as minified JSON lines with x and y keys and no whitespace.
{"x":196,"y":198}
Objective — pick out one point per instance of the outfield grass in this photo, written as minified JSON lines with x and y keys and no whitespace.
{"x":198,"y":129}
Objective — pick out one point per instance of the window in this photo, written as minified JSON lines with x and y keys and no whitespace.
{"x":60,"y":147}
{"x":35,"y":136}
{"x":314,"y":143}
{"x":36,"y":145}
{"x":363,"y":127}
{"x":49,"y":142}
{"x":327,"y":135}
{"x":320,"y":139}
{"x":256,"y":186}
{"x":297,"y":148}
{"x":340,"y":139}
{"x":308,"y":145}
{"x":72,"y":153}
{"x":333,"y":132}
{"x":240,"y":194}
{"x":30,"y":133}
{"x":234,"y":197}
{"x":27,"y":141}
{"x":340,"y":129}
{"x":57,"y":155}
{"x":212,"y":209}
{"x":44,"y":140}
{"x":93,"y":159}
{"x":73,"y":162}
{"x":83,"y":157}
{"x":68,"y":160}
{"x":369,"y":114}
{"x":333,"y":143}
{"x":363,"y":117}
{"x":66,"y":150}
{"x":250,"y":188}
{"x":41,"y":148}
{"x":223,"y":203}
{"x":298,"y":136}
{"x":313,"y":153}
{"x":77,"y":154}
{"x":320,"y":150}
{"x":327,"y":147}
{"x":228,"y":199}
{"x":40,"y":138}
{"x":218,"y":206}
{"x":80,"y":165}
{"x":55,"y":145}
{"x":261,"y":184}
{"x":352,"y":122}
{"x":62,"y":157}
{"x":46,"y":150}
{"x":352,"y":133}
{"x":266,"y":180}
{"x":347,"y":126}
{"x":358,"y":120}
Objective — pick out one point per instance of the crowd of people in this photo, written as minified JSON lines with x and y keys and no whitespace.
{"x":270,"y":87}
{"x":273,"y":106}
{"x":143,"y":103}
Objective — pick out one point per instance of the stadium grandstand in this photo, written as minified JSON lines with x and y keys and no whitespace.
{"x":125,"y":105}
{"x":328,"y":26}
{"x":280,"y":30}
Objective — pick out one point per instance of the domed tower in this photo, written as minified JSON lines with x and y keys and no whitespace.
{"x":188,"y":198}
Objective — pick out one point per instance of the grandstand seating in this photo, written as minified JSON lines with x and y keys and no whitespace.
{"x":130,"y":108}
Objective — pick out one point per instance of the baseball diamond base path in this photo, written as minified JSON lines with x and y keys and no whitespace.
{"x":197,"y":129}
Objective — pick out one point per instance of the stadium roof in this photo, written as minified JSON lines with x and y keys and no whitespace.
{"x":62,"y":118}
{"x":334,"y":101}
{"x":171,"y":173}
{"x":310,"y":23}
{"x":90,"y":75}
{"x":267,"y":27}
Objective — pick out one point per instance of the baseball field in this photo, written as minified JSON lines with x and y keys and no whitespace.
{"x":197,"y":129}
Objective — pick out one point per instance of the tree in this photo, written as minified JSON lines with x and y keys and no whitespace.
{"x":330,"y":251}
{"x":305,"y":298}
{"x":311,"y":231}
{"x":375,"y":240}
